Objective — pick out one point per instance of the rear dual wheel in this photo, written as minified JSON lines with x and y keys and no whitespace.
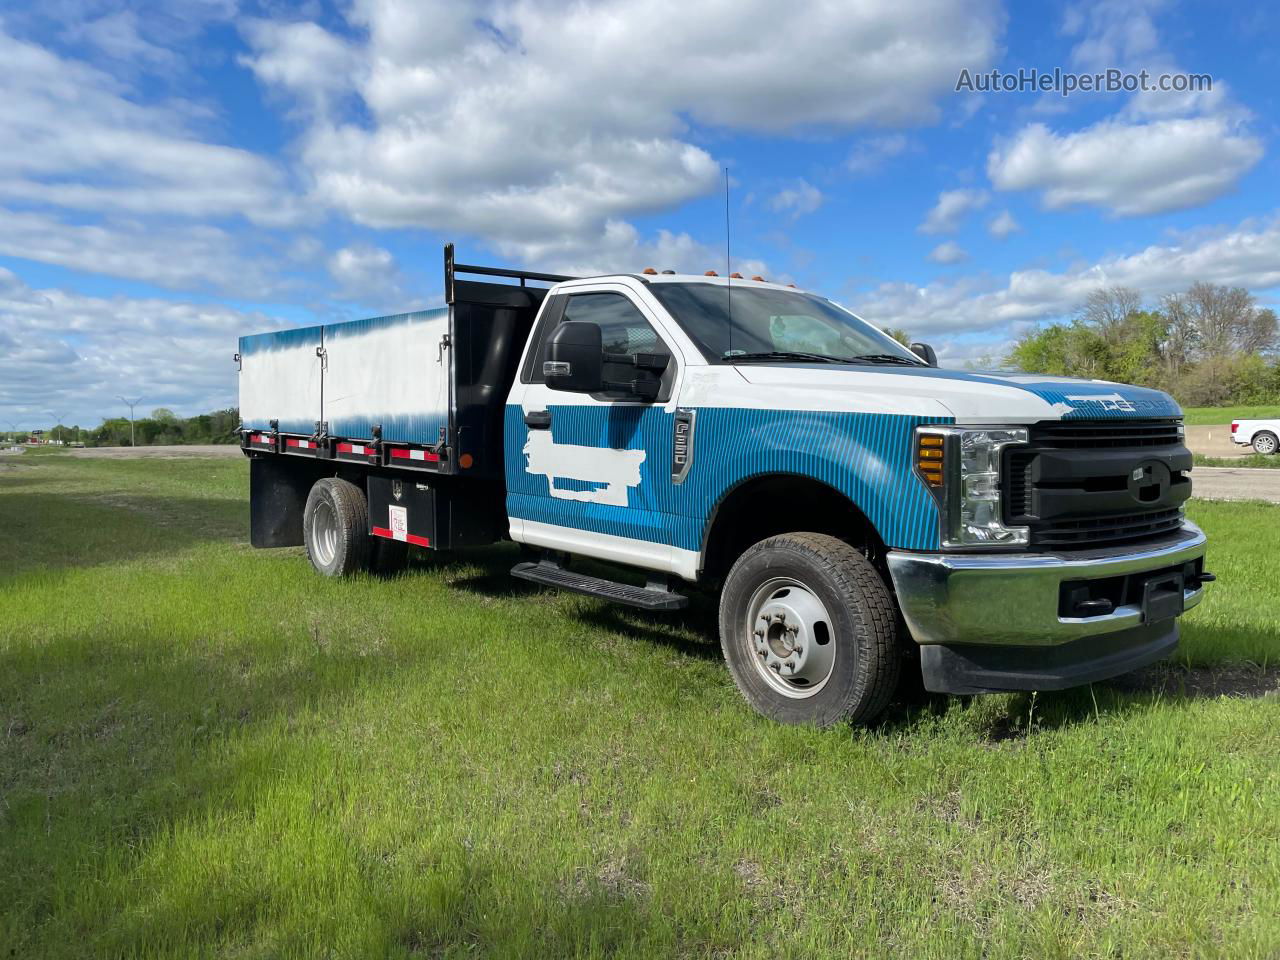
{"x":335,"y":529}
{"x":809,"y":631}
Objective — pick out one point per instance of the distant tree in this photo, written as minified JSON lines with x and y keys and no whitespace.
{"x":1108,"y":308}
{"x":900,"y":335}
{"x":1226,"y":320}
{"x":163,"y":414}
{"x":1207,"y":346}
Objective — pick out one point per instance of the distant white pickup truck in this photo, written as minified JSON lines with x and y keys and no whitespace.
{"x":1262,"y":435}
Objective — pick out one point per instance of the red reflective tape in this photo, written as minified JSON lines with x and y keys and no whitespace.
{"x":411,"y":538}
{"x":359,"y":449}
{"x":304,"y":444}
{"x":401,"y":453}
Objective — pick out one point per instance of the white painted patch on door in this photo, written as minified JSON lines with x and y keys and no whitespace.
{"x":610,"y":472}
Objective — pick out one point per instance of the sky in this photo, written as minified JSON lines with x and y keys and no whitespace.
{"x":177,"y":173}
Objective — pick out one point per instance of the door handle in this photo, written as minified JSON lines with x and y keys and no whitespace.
{"x":538,"y":419}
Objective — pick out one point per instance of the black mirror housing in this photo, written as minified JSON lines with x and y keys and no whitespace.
{"x":925,"y":353}
{"x":575,"y":358}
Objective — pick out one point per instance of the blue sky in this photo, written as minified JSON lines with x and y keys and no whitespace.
{"x":174,"y":174}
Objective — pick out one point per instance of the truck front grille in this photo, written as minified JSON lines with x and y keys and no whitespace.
{"x":1093,"y":482}
{"x":1094,"y":434}
{"x":1099,"y":530}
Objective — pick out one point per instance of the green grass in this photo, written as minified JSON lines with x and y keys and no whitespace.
{"x":207,"y":750}
{"x":1213,"y":416}
{"x":1252,"y":460}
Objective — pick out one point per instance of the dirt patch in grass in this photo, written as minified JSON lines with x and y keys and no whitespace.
{"x":1197,"y":683}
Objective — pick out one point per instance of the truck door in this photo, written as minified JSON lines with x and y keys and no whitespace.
{"x":591,"y":473}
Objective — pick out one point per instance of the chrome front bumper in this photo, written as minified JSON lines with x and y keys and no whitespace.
{"x":1013,"y":599}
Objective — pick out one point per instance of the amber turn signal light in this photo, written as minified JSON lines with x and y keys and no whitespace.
{"x":930,"y":457}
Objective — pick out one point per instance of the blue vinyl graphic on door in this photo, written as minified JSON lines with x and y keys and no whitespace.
{"x":868,"y":457}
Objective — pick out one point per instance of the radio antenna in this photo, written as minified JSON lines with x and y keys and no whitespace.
{"x":728,"y":271}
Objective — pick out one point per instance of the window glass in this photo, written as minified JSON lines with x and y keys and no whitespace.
{"x":623,"y":328}
{"x":763,"y":320}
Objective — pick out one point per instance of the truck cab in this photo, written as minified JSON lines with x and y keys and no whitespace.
{"x":856,"y":508}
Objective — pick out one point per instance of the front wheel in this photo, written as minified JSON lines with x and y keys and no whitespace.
{"x":1265,"y":443}
{"x":808,"y":629}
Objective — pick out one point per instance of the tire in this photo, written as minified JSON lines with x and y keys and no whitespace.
{"x":335,"y":528}
{"x":831,"y":628}
{"x":1265,"y":443}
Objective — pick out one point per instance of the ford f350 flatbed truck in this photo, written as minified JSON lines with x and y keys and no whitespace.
{"x":854,"y":505}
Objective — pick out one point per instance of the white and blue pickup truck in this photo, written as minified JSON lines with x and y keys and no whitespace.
{"x":857,"y":508}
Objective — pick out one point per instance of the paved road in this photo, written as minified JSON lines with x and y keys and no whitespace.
{"x":1214,"y":442}
{"x":192,"y":450}
{"x":1236,"y":483}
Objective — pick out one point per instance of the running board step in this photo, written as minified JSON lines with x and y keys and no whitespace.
{"x":655,"y":596}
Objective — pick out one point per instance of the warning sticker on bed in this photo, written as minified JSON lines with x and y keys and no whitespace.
{"x":399,"y":520}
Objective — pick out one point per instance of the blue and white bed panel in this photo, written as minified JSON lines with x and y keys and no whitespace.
{"x":389,"y":371}
{"x":280,"y":379}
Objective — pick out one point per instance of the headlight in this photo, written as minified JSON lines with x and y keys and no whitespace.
{"x":961,"y":468}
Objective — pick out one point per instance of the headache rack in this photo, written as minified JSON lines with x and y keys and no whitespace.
{"x":1079,"y":484}
{"x":421,"y":391}
{"x":468,"y":289}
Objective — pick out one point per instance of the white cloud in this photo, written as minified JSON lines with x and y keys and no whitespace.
{"x":178,"y":257}
{"x":117,"y":35}
{"x":948,"y":253}
{"x":1127,"y":168}
{"x":981,"y":306}
{"x":71,"y":137}
{"x":1161,"y":151}
{"x":951,"y":208}
{"x":796,"y":200}
{"x":302,"y":58}
{"x":370,"y":275}
{"x":1002,"y":225}
{"x":871,"y":154}
{"x":77,"y":353}
{"x":621,"y":249}
{"x":495,"y":122}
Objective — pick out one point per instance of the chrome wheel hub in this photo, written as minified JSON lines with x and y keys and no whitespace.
{"x":324,"y":533}
{"x":791,"y":637}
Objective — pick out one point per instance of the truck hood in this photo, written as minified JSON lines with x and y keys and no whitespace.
{"x":968,"y":397}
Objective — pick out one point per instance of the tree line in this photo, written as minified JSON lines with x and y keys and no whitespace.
{"x":1209,"y":346}
{"x":162,"y":428}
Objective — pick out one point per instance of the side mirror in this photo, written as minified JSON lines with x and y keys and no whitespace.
{"x":575,"y":358}
{"x":925,"y":353}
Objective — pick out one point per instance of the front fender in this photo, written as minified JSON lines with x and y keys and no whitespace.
{"x":868,"y":457}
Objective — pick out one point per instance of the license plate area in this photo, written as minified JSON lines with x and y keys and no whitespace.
{"x":1162,"y":597}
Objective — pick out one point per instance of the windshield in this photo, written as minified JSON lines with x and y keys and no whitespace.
{"x":769,"y":322}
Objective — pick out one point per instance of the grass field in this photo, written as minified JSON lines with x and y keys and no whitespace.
{"x":1212,"y":416}
{"x":1252,"y":460}
{"x":209,"y":751}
